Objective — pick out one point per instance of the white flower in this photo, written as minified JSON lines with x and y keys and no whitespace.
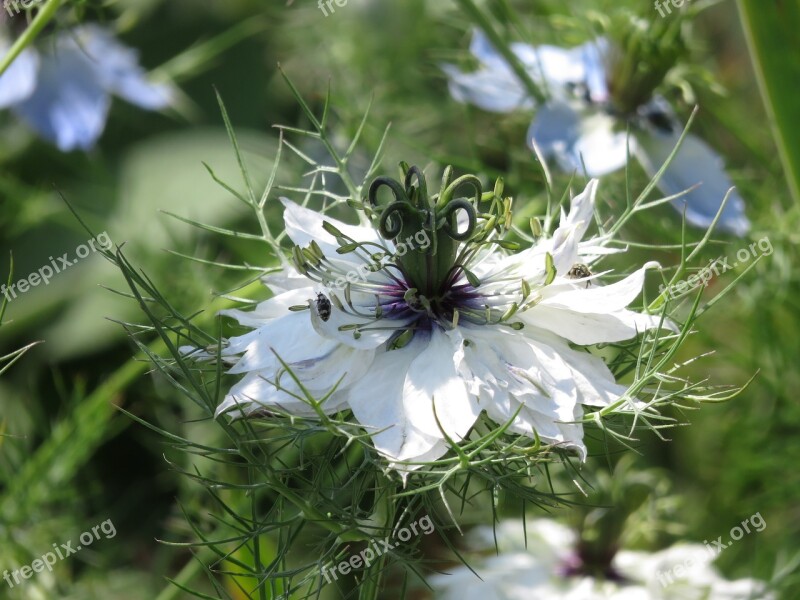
{"x":581,"y":129}
{"x":410,"y":341}
{"x":546,"y":569}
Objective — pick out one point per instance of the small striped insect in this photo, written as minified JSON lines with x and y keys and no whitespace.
{"x":323,"y":307}
{"x":579,"y":271}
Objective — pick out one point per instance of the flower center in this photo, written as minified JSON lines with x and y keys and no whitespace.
{"x":456,"y":298}
{"x":439,"y":284}
{"x":412,"y":212}
{"x":426,"y":269}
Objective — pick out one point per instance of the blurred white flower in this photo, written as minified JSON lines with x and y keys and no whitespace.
{"x":549,"y":568}
{"x":62,"y":89}
{"x":583,"y":132}
{"x":419,"y":345}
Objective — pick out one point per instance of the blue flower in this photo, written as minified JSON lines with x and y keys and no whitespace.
{"x":63,"y":90}
{"x":579,"y":129}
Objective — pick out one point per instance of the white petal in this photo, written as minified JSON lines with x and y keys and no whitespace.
{"x":593,"y":315}
{"x":555,"y":419}
{"x":383,"y":414}
{"x":433,"y":379}
{"x":599,"y":299}
{"x":515,"y":376}
{"x":584,"y":142}
{"x":594,"y":381}
{"x":260,"y":390}
{"x":286,"y":280}
{"x":517,"y":576}
{"x":548,"y":540}
{"x":304,"y":226}
{"x":565,"y":241}
{"x":554,"y":66}
{"x":599,"y":149}
{"x":581,"y":210}
{"x":588,"y":328}
{"x":273,"y":308}
{"x":199,"y":354}
{"x":292,"y":337}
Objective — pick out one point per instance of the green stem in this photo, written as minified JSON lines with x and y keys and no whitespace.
{"x":186,"y":575}
{"x":370,"y":589}
{"x":262,"y":589}
{"x":502,"y":47}
{"x":43,"y":17}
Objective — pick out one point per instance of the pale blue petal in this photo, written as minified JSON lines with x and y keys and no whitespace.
{"x":555,"y":130}
{"x":585,"y":143}
{"x":593,"y":54}
{"x":19,"y":80}
{"x":69,"y":107}
{"x":558,"y":65}
{"x":557,"y":68}
{"x":481,"y":48}
{"x":695,"y":163}
{"x":117,"y":67}
{"x":490,"y":90}
{"x":550,"y":66}
{"x":602,"y":148}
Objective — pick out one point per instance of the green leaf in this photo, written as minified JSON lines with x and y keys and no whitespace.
{"x":771,"y":31}
{"x":162,"y":172}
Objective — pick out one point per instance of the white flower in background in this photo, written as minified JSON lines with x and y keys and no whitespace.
{"x":440,"y":325}
{"x":582,"y":129}
{"x":62,"y":89}
{"x":550,"y":569}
